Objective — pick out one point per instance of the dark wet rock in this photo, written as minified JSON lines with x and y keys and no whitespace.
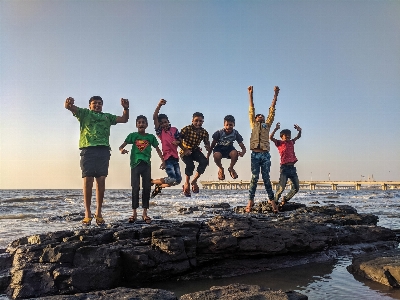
{"x":222,"y":205}
{"x":241,"y":266}
{"x":118,"y":293}
{"x":188,"y":210}
{"x":264,"y":207}
{"x":123,"y":254}
{"x":5,"y":265}
{"x":315,"y":202}
{"x":382,"y":267}
{"x":242,"y":292}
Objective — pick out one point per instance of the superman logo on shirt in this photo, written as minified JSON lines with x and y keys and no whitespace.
{"x":141,"y":144}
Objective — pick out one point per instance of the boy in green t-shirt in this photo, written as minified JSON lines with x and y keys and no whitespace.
{"x":141,"y":165}
{"x":95,"y":149}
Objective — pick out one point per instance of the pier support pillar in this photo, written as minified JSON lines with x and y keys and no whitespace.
{"x":384,"y":187}
{"x":358,"y":186}
{"x":334,"y":187}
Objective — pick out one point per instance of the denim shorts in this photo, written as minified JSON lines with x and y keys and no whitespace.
{"x":95,"y":161}
{"x":173,"y":171}
{"x":224,"y":150}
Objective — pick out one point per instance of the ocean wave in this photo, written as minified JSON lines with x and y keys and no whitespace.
{"x":32,"y":199}
{"x":16,"y":217}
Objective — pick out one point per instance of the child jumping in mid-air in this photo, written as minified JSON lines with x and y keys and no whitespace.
{"x":288,"y":159}
{"x":140,"y":165}
{"x":222,"y":146}
{"x":191,"y":137}
{"x":170,"y":139}
{"x":259,"y":146}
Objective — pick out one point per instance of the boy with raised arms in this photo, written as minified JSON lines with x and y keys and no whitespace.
{"x":170,"y":139}
{"x":95,"y":149}
{"x":259,"y":146}
{"x":288,"y":159}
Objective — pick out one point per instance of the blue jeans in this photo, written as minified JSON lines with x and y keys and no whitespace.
{"x":260,"y":160}
{"x":173,"y":171}
{"x":287,"y":171}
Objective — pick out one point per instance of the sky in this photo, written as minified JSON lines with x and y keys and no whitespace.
{"x":337,"y":64}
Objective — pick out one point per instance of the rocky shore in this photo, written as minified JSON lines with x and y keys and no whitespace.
{"x":122,"y":258}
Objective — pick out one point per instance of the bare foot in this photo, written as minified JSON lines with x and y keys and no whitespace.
{"x":221,"y":174}
{"x":249,"y":206}
{"x":274,"y":206}
{"x":233,"y":173}
{"x":195,"y":187}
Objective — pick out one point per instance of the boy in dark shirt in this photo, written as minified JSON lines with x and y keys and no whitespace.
{"x":191,"y":137}
{"x":222,"y":146}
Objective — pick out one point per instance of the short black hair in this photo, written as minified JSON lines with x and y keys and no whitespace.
{"x":229,"y":118}
{"x":94,"y":98}
{"x":257,"y":115}
{"x":141,"y":117}
{"x":162,"y":116}
{"x":285,"y":132}
{"x":198,"y":114}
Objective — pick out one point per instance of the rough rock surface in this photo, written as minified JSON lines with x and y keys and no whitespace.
{"x":118,"y":293}
{"x":242,"y":292}
{"x":5,"y":265}
{"x":382,"y":267}
{"x":70,"y":262}
{"x":230,"y":292}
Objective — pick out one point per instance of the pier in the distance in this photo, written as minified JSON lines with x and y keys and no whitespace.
{"x":311,"y":185}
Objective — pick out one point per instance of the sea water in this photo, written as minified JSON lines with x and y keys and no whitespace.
{"x":27,"y":212}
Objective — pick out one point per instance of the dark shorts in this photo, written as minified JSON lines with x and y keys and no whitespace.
{"x":224,"y":150}
{"x":95,"y":161}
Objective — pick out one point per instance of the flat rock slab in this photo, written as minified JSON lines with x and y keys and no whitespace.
{"x":382,"y":267}
{"x":242,"y":292}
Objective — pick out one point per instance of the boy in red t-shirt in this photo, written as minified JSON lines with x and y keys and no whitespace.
{"x":288,"y":159}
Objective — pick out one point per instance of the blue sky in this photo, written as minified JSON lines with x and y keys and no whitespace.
{"x":337,"y":64}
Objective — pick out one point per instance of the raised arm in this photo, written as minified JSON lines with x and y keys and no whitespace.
{"x":157,"y":111}
{"x":69,"y":104}
{"x":298,"y":128}
{"x":271,"y":136}
{"x":252,"y":114}
{"x":125,"y":114}
{"x":271,"y":113}
{"x":276,"y":92}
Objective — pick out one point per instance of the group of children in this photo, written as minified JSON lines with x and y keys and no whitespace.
{"x":95,"y":153}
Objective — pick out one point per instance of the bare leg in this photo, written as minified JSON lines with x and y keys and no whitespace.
{"x":87,"y":195}
{"x":144,"y":212}
{"x":100,"y":188}
{"x":160,"y":182}
{"x":196,"y":176}
{"x":187,"y":183}
{"x":234,"y":157}
{"x":217,"y":160}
